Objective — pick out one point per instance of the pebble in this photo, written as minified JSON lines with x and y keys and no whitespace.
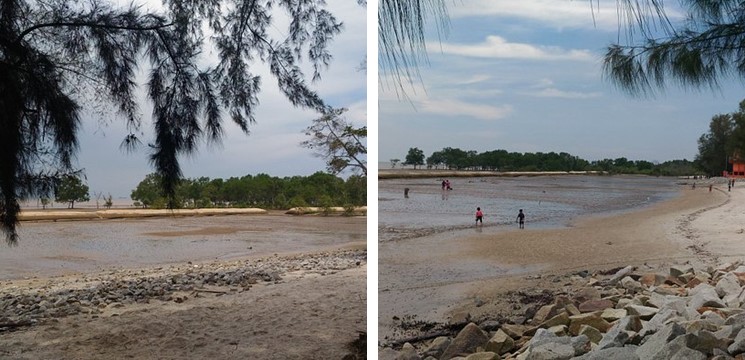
{"x":121,"y":288}
{"x":692,"y":320}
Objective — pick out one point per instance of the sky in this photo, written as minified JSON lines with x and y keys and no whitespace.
{"x":526,"y":76}
{"x":273,"y":145}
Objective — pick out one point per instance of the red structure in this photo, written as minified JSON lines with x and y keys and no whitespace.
{"x":738,"y":167}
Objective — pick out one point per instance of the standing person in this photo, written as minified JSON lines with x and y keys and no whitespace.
{"x":443,"y":184}
{"x":479,"y":216}
{"x":447,"y":185}
{"x":521,"y":219}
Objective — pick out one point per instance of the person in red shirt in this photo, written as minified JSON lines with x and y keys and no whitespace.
{"x":479,"y":216}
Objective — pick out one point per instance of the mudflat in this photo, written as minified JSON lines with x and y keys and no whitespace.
{"x":242,"y":286}
{"x":451,"y":276}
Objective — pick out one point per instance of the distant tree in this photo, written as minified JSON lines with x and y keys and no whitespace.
{"x":53,"y":53}
{"x":336,"y":141}
{"x":414,"y":157}
{"x":394,"y":162}
{"x":109,"y":202}
{"x":712,"y":146}
{"x":44,"y":202}
{"x":70,"y":190}
{"x":148,"y":191}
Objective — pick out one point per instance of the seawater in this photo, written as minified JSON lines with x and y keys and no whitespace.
{"x":548,"y":201}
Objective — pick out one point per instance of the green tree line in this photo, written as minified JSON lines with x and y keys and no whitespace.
{"x":264,"y":191}
{"x":502,"y":160}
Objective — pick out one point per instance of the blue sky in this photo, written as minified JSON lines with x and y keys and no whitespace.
{"x":526,"y":76}
{"x":273,"y":144}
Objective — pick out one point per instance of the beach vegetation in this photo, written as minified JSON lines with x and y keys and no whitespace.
{"x":414,"y":157}
{"x":341,"y":145}
{"x":450,"y":158}
{"x":264,"y":191}
{"x":71,"y":189}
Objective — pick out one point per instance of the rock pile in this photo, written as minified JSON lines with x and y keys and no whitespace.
{"x":681,"y":314}
{"x":21,"y":306}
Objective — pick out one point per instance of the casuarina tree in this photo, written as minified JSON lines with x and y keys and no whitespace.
{"x":56,"y":55}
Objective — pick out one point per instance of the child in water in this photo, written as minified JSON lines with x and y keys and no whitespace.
{"x":479,"y":216}
{"x":521,"y":219}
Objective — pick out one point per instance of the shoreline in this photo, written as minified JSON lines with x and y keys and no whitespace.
{"x":429,"y":173}
{"x":516,"y":260}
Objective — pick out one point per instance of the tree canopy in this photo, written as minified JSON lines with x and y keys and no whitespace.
{"x":70,"y":190}
{"x":57,"y":55}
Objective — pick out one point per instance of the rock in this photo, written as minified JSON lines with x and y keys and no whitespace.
{"x":657,"y":321}
{"x":612,"y":315}
{"x":652,"y":279}
{"x":467,"y":340}
{"x":500,"y":343}
{"x":387,"y":354}
{"x":643,"y":312}
{"x":437,"y":347}
{"x":408,"y":352}
{"x":676,"y":350}
{"x":704,"y":295}
{"x":551,"y":351}
{"x":738,"y":345}
{"x":656,"y":342}
{"x":559,"y":330}
{"x":614,"y":353}
{"x":621,"y":333}
{"x":586,"y":293}
{"x":631,"y":285}
{"x":483,"y":356}
{"x":620,"y":275}
{"x":595,"y":305}
{"x":705,"y":341}
{"x":592,"y":333}
{"x":591,"y":319}
{"x":679,"y":270}
{"x":545,"y":312}
{"x":515,"y":331}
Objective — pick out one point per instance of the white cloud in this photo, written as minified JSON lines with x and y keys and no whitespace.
{"x":475,"y":79}
{"x":453,"y":107}
{"x":556,"y":93}
{"x":589,"y":14}
{"x":499,"y":48}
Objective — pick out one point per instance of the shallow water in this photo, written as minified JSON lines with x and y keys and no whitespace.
{"x":52,"y":248}
{"x":548,"y":201}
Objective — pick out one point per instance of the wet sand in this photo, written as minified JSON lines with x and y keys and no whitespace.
{"x":441,"y":277}
{"x":314,"y":312}
{"x":48,"y":248}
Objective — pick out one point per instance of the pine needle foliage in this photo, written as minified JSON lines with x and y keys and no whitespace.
{"x":50,"y":49}
{"x":698,"y":53}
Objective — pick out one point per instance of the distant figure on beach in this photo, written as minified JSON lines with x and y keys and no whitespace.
{"x":521,"y":219}
{"x":710,"y":187}
{"x":443,"y":184}
{"x":406,"y":193}
{"x":694,"y":186}
{"x":447,"y":185}
{"x":479,"y":216}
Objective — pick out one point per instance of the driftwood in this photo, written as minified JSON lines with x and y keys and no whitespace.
{"x":212,"y":291}
{"x":416,"y":339}
{"x":15,"y":324}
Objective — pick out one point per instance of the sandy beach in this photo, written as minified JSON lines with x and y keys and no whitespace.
{"x":299,"y":296}
{"x":483,"y":267}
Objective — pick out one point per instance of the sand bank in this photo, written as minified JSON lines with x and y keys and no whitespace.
{"x":36,"y":215}
{"x":428,"y":173}
{"x":442,"y":277}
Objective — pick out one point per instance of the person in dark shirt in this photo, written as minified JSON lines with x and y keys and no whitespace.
{"x":521,"y":219}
